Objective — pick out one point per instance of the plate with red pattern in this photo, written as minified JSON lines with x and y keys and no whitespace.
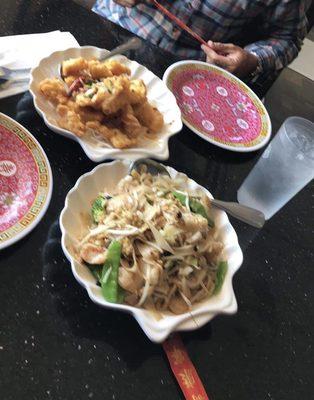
{"x":218,"y":106}
{"x":25,"y":181}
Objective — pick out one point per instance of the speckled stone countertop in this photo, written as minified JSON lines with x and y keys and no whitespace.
{"x":56,"y":344}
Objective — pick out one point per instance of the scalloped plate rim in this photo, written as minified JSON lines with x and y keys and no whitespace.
{"x":139,"y":314}
{"x":208,"y":138}
{"x":44,"y":209}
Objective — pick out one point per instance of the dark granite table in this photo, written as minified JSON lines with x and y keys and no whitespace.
{"x":56,"y":344}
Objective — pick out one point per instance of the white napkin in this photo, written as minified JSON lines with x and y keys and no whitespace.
{"x":25,"y":51}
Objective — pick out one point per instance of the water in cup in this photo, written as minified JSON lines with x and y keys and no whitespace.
{"x":285,"y":167}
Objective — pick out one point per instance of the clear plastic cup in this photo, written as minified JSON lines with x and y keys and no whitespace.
{"x":285,"y":167}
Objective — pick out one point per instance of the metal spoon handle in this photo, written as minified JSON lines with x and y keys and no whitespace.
{"x":153,"y":167}
{"x":132,"y":44}
{"x":243,"y":213}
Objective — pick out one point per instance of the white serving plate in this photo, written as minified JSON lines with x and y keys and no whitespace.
{"x":97,"y":150}
{"x":73,"y":226}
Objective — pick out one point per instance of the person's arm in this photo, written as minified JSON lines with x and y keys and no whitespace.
{"x":284,"y":26}
{"x":128,"y":3}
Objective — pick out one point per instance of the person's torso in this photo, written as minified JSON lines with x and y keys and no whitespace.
{"x":218,"y":20}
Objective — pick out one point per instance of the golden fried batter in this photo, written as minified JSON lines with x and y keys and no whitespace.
{"x":149,"y":116}
{"x":74,"y":66}
{"x":108,"y":102}
{"x":117,"y":68}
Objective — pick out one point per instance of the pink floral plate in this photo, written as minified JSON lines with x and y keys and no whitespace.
{"x":25,"y":181}
{"x":218,"y":107}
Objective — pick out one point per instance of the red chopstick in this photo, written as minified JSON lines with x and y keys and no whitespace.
{"x":179,"y":22}
{"x":183,"y":369}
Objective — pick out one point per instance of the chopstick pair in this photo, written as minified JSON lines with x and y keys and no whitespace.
{"x":179,"y":22}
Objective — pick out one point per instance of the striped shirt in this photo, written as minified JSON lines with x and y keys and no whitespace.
{"x":272,"y":29}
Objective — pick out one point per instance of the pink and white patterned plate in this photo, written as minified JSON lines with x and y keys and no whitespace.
{"x":25,"y":181}
{"x":218,"y":106}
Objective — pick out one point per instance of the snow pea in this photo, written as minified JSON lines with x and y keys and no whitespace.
{"x":220,"y":277}
{"x":195,"y":206}
{"x":110,"y":273}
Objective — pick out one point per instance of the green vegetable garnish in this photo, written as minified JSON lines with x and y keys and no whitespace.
{"x":181,"y":197}
{"x":198,"y":208}
{"x":220,"y":277}
{"x":96,"y":270}
{"x":110,"y":274}
{"x":120,"y":295}
{"x":98,"y":209}
{"x":195,"y":206}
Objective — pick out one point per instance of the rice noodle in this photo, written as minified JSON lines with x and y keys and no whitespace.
{"x":170,"y":251}
{"x":160,"y":240}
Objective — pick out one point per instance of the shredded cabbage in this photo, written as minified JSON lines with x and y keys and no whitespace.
{"x":170,"y":255}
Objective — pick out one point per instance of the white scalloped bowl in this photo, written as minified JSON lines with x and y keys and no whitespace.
{"x":73,"y":226}
{"x":97,"y":150}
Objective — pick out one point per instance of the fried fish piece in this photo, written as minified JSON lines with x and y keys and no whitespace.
{"x":70,"y":120}
{"x":122,"y":141}
{"x":109,"y":95}
{"x":98,"y":70}
{"x":137,"y":91}
{"x":149,"y":116}
{"x":131,"y":125}
{"x":113,"y":135}
{"x":74,"y":66}
{"x":89,"y":114}
{"x":117,"y":68}
{"x":54,"y":90}
{"x":70,"y":79}
{"x":108,"y":101}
